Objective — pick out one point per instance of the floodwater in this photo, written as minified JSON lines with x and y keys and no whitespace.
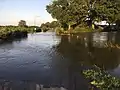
{"x":57,"y":61}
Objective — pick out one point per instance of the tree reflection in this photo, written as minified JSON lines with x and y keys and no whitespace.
{"x":89,"y":49}
{"x":25,"y":85}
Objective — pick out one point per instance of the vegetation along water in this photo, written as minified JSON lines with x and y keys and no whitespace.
{"x":86,"y":15}
{"x":76,"y":16}
{"x":78,"y":50}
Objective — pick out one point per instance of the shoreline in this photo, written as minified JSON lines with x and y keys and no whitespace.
{"x":12,"y":35}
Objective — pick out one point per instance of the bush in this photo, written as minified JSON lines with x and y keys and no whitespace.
{"x":82,"y":29}
{"x":11,"y":31}
{"x":59,"y":30}
{"x":101,"y":79}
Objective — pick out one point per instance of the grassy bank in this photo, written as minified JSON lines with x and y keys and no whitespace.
{"x":62,"y":31}
{"x":9,"y":32}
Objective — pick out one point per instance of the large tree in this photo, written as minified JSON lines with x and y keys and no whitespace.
{"x":108,"y":10}
{"x":60,"y":10}
{"x":78,"y":11}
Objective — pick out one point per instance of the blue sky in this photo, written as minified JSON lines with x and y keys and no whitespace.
{"x":12,"y":11}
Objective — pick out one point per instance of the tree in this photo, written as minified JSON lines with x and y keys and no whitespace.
{"x":45,"y":26}
{"x":59,"y":10}
{"x":79,"y":11}
{"x":69,"y":11}
{"x":22,"y":23}
{"x":54,"y":24}
{"x":108,"y":10}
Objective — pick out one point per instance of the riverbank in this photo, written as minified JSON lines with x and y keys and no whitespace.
{"x":10,"y":32}
{"x":61,"y":31}
{"x":11,"y":35}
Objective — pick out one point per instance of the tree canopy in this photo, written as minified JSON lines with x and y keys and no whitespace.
{"x":78,"y":11}
{"x":49,"y":25}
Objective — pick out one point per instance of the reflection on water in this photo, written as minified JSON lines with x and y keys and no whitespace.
{"x":25,"y":85}
{"x":102,"y":49}
{"x":56,"y":61}
{"x":99,"y":39}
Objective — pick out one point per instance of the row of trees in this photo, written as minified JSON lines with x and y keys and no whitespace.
{"x":8,"y":32}
{"x":22,"y":28}
{"x":44,"y":26}
{"x":76,"y":12}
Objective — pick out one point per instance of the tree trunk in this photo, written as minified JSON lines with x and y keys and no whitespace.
{"x":90,"y":23}
{"x":93,"y":26}
{"x":69,"y":28}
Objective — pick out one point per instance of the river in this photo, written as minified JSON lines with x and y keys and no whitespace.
{"x":51,"y":60}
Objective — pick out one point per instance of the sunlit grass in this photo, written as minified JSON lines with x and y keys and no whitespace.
{"x":111,"y":45}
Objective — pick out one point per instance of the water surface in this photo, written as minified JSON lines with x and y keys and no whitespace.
{"x":47,"y":59}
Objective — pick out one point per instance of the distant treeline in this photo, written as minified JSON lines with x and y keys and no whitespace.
{"x":9,"y":32}
{"x":49,"y":25}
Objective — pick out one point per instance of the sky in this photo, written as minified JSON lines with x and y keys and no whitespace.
{"x":32,"y":11}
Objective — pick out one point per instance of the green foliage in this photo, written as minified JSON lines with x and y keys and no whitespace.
{"x":101,"y":79}
{"x":78,"y":11}
{"x":59,"y":30}
{"x":64,"y":11}
{"x":82,"y":29}
{"x":45,"y":27}
{"x":54,"y":24}
{"x":7,"y":31}
{"x":48,"y":26}
{"x":107,"y":10}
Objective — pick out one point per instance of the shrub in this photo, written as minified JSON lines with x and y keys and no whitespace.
{"x":11,"y":31}
{"x":83,"y":29}
{"x":59,"y":30}
{"x":101,"y":79}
